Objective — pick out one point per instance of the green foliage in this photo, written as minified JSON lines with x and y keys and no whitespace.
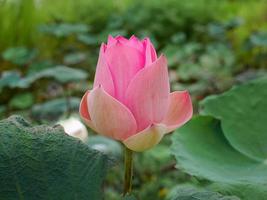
{"x":258,"y":39}
{"x":255,"y":49}
{"x":242,"y":112}
{"x":39,"y":66}
{"x":19,"y":21}
{"x":63,"y":30}
{"x":88,"y":39}
{"x":19,"y":55}
{"x":188,"y":192}
{"x":22,"y":101}
{"x":62,"y":74}
{"x":44,"y":163}
{"x":2,"y":111}
{"x":74,"y":58}
{"x":53,"y":109}
{"x":106,"y":145}
{"x":196,"y":61}
{"x":129,"y":197}
{"x":244,"y":191}
{"x":9,"y":79}
{"x":162,"y":19}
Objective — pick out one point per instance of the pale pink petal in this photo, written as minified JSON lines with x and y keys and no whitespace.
{"x":124,"y":62}
{"x":83,"y":110}
{"x":109,"y":116}
{"x":103,"y":75}
{"x":180,"y":110}
{"x":148,"y":93}
{"x":145,"y":139}
{"x":151,"y":54}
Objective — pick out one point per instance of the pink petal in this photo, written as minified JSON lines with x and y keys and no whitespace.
{"x":151,"y":54}
{"x":103,"y":75}
{"x":180,"y":110}
{"x":136,"y":43}
{"x":148,"y":93}
{"x":121,"y":39}
{"x":111,"y":41}
{"x":124,"y":62}
{"x":145,"y":139}
{"x":133,"y":42}
{"x":109,"y":116}
{"x":83,"y":110}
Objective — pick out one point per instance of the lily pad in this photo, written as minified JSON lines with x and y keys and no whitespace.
{"x":88,"y":39}
{"x":22,"y":101}
{"x":105,"y":145}
{"x":243,"y":114}
{"x":41,"y":162}
{"x":64,"y":29}
{"x":74,"y":58}
{"x":53,"y":109}
{"x":202,"y":150}
{"x":9,"y":79}
{"x":19,"y":55}
{"x":188,"y":192}
{"x":63,"y":74}
{"x":244,"y":191}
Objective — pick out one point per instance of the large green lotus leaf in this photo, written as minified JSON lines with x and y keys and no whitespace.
{"x":74,"y":58}
{"x":45,"y":163}
{"x":243,"y":114}
{"x":105,"y":145}
{"x":219,"y":191}
{"x":19,"y":55}
{"x":63,"y":74}
{"x":52,"y":110}
{"x":9,"y":79}
{"x":202,"y":150}
{"x":129,"y":197}
{"x":22,"y":101}
{"x":244,"y":191}
{"x":188,"y":192}
{"x":63,"y":29}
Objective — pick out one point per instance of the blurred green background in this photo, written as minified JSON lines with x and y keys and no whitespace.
{"x":49,"y":51}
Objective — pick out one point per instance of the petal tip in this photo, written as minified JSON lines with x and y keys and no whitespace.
{"x":180,"y":110}
{"x":133,"y":37}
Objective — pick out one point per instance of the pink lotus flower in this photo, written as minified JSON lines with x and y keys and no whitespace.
{"x":131,"y":100}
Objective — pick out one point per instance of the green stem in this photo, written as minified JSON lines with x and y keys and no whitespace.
{"x":128,"y":174}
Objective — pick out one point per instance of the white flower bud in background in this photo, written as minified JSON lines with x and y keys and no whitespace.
{"x":75,"y":128}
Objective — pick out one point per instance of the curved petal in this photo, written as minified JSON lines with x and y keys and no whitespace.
{"x":83,"y":110}
{"x":109,"y":116}
{"x":151,"y":54}
{"x":148,"y":93}
{"x":180,"y":110}
{"x":124,"y":62}
{"x":145,"y":139}
{"x":103,"y":75}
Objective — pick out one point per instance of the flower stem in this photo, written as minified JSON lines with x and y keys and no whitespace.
{"x":128,"y":174}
